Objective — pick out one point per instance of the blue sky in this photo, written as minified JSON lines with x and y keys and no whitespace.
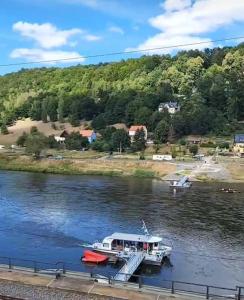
{"x":33,"y":30}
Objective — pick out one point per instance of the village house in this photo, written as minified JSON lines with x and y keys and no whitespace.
{"x":193,"y":140}
{"x":171,"y":107}
{"x":61,"y":138}
{"x":134,"y":128}
{"x":89,"y":134}
{"x":238,"y":146}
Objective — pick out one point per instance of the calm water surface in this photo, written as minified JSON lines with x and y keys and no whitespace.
{"x":48,"y":218}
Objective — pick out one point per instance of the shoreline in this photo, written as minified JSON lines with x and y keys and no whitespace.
{"x":100,"y":167}
{"x":162,"y":171}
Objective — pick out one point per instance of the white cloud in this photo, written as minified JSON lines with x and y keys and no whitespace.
{"x":46,"y":55}
{"x":46,"y":35}
{"x":171,"y":5}
{"x":186,"y":22}
{"x":116,"y":29}
{"x":92,"y":37}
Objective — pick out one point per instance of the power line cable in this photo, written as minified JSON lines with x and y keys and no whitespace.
{"x":121,"y":53}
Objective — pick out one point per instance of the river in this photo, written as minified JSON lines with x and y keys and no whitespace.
{"x":48,"y":217}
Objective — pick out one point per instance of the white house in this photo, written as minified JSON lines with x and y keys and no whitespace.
{"x":59,"y":139}
{"x":89,"y":134}
{"x":134,"y":128}
{"x":171,"y":107}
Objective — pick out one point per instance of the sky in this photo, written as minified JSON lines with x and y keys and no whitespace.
{"x":34,"y":30}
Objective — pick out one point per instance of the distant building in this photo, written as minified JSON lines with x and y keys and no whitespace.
{"x":171,"y":107}
{"x":89,"y":134}
{"x":238,"y":147}
{"x":59,"y":139}
{"x":134,"y":128}
{"x":193,"y":139}
{"x":64,"y":134}
{"x":162,"y":157}
{"x":62,"y":137}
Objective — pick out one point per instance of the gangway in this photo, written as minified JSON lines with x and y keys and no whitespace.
{"x":128,"y":269}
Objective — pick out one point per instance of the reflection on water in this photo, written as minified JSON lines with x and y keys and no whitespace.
{"x":49,"y":217}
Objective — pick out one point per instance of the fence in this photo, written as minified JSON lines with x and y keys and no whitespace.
{"x":170,"y":286}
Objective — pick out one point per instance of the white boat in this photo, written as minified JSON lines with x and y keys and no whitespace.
{"x":182,"y":183}
{"x":123,"y":244}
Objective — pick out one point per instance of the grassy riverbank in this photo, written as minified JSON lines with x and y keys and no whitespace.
{"x":145,"y":169}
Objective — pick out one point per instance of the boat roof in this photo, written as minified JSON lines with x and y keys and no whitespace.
{"x":134,"y":237}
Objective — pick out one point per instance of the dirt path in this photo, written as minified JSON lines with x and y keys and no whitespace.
{"x":205,"y":170}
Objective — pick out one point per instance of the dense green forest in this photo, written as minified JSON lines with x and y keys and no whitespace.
{"x":209,"y":85}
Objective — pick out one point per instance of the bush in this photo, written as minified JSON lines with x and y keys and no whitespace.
{"x":52,"y":143}
{"x":209,"y":144}
{"x":173,"y":152}
{"x":33,"y":130}
{"x":53,"y":125}
{"x":21,"y":141}
{"x":4,"y":129}
{"x":182,"y":142}
{"x":98,"y":146}
{"x":224,"y":145}
{"x":193,"y":149}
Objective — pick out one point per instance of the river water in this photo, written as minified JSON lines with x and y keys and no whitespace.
{"x":48,"y":218}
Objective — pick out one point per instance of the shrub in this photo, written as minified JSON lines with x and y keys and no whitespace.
{"x":193,"y":149}
{"x":21,"y":141}
{"x":4,"y":129}
{"x":224,"y":145}
{"x":182,"y":142}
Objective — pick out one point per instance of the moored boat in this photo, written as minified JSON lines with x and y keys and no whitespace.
{"x":121,"y":243}
{"x":182,"y":183}
{"x":93,"y":257}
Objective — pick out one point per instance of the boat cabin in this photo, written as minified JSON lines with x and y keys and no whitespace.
{"x":121,"y":241}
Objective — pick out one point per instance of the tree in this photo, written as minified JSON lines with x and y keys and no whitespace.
{"x":74,"y":141}
{"x":156,"y":147}
{"x":52,"y":107}
{"x":193,"y":149}
{"x":4,"y":128}
{"x":34,"y":130}
{"x":21,"y":141}
{"x":162,"y":131}
{"x":52,"y":143}
{"x":35,"y":143}
{"x":139,"y":143}
{"x":142,"y":116}
{"x":99,"y":122}
{"x":44,"y":111}
{"x":120,"y":140}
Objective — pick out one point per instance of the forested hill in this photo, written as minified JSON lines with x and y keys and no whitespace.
{"x":209,"y":86}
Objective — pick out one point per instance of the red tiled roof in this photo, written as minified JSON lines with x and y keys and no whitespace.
{"x":86,"y":133}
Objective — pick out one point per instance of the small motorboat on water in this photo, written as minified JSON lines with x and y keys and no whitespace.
{"x":93,"y":257}
{"x":182,"y":183}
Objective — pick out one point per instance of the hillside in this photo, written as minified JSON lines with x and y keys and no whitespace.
{"x":208,"y":85}
{"x":21,"y":126}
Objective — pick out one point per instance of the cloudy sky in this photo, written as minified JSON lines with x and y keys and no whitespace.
{"x":33,"y":30}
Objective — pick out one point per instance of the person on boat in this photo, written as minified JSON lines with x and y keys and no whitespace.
{"x":145,"y":246}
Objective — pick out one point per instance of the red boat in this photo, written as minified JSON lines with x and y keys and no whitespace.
{"x":93,"y":257}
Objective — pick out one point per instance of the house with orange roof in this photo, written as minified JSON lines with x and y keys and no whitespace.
{"x":134,"y":128}
{"x":89,"y":134}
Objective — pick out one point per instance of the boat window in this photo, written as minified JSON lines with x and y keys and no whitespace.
{"x":106,"y":245}
{"x":156,"y":244}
